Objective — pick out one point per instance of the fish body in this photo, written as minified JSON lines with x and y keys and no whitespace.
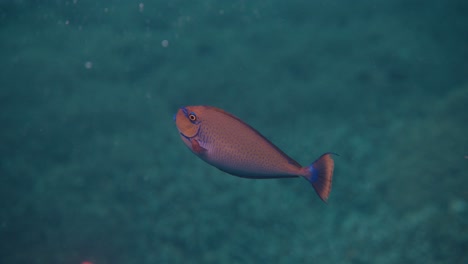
{"x":229,"y":144}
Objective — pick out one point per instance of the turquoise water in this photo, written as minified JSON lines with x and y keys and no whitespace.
{"x":92,"y":168}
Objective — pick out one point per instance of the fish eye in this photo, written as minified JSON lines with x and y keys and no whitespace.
{"x":192,"y":117}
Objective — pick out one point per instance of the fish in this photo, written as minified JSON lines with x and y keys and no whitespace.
{"x":231,"y":145}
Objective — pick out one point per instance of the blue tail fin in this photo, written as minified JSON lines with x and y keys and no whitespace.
{"x":321,"y":173}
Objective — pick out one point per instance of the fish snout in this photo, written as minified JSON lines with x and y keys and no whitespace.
{"x":184,"y":125}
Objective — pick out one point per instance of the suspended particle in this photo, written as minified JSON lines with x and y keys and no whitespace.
{"x":88,"y":65}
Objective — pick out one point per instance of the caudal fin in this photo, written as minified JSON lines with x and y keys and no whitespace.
{"x":320,"y":175}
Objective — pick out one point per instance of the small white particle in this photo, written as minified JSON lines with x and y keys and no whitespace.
{"x":165,"y":43}
{"x":88,"y":65}
{"x":141,"y":6}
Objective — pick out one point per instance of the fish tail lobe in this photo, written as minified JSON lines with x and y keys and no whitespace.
{"x":320,"y":174}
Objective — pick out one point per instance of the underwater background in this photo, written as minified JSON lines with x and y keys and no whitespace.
{"x":92,"y":168}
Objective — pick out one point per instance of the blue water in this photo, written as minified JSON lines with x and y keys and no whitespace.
{"x":92,"y":168}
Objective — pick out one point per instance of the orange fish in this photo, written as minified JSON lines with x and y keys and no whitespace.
{"x":226,"y":142}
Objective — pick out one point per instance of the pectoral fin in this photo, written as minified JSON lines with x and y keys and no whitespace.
{"x":196,"y":147}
